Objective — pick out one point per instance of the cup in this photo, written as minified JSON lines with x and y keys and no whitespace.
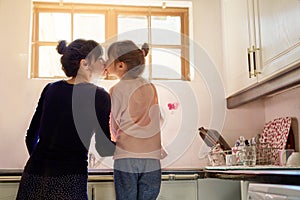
{"x":293,"y":160}
{"x":284,"y":154}
{"x":230,"y":159}
{"x":249,"y":156}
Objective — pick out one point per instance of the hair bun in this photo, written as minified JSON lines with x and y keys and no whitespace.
{"x":145,"y":49}
{"x":61,"y":47}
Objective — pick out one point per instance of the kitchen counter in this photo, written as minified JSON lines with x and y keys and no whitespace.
{"x":261,"y":174}
{"x":265,"y":174}
{"x":95,"y":175}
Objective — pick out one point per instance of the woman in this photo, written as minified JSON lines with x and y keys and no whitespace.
{"x":135,"y":124}
{"x":68,"y":114}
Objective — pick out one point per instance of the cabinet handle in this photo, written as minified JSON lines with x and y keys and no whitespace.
{"x":254,"y":62}
{"x":93,"y":193}
{"x":252,"y":51}
{"x":249,"y":63}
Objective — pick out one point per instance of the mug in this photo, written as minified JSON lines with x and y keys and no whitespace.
{"x":284,"y":154}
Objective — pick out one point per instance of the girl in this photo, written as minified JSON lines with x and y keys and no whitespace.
{"x":135,"y":124}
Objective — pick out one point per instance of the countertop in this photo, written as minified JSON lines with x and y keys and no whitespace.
{"x":261,"y":174}
{"x":14,"y":175}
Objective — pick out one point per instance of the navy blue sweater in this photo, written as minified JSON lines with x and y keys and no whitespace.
{"x":66,"y":118}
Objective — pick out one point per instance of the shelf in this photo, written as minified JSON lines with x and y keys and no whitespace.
{"x":279,"y":82}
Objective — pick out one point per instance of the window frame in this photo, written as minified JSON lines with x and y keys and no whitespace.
{"x":111,"y":13}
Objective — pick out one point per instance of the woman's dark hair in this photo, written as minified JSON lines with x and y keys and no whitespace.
{"x":76,"y":51}
{"x":128,"y":52}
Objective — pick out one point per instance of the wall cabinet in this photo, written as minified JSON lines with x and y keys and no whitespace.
{"x":261,"y":36}
{"x":278,"y":23}
{"x":237,"y":37}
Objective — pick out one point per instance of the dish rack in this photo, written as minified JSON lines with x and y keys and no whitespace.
{"x":266,"y":154}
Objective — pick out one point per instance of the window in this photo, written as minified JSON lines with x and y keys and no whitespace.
{"x":163,"y":29}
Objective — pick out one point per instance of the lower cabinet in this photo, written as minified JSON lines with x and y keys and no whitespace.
{"x":101,"y":191}
{"x":178,"y":190}
{"x":201,"y":189}
{"x":170,"y":190}
{"x":8,"y":191}
{"x":218,"y":189}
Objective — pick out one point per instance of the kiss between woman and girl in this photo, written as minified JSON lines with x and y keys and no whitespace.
{"x":125,"y":122}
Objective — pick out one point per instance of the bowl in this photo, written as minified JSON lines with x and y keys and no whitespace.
{"x":293,"y":160}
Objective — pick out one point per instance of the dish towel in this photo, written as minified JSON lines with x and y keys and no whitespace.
{"x":276,"y":134}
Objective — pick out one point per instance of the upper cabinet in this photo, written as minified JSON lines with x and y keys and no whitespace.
{"x":237,"y":38}
{"x":278,"y":22}
{"x":261,"y":39}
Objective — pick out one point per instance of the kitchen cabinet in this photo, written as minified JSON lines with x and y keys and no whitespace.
{"x":278,"y":23}
{"x":261,"y":36}
{"x":101,"y":190}
{"x":170,"y":189}
{"x":178,"y":189}
{"x":216,"y":189}
{"x":237,"y":37}
{"x":8,"y":191}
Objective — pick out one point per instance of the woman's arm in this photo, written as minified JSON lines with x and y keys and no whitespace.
{"x":32,"y":135}
{"x":104,"y":145}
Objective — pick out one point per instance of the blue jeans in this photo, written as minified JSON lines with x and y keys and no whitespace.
{"x":137,"y":179}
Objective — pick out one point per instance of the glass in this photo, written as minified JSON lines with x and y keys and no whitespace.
{"x":166,"y":63}
{"x":49,"y":62}
{"x":230,"y":159}
{"x":91,"y":26}
{"x":133,"y":28}
{"x":166,"y":30}
{"x":249,"y":155}
{"x":54,"y":26}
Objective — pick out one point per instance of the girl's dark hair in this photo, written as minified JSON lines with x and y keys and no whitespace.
{"x":128,"y":52}
{"x":76,"y":51}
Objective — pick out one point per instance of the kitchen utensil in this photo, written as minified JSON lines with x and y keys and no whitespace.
{"x":212,"y":137}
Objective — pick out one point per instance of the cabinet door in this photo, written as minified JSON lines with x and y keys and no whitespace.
{"x":8,"y":191}
{"x":101,"y":191}
{"x":218,"y":189}
{"x":178,"y":189}
{"x":279,"y":24}
{"x":238,"y":36}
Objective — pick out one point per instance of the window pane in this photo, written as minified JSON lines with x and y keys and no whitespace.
{"x":49,"y":62}
{"x":54,"y":27}
{"x":133,"y":28}
{"x":166,"y":63}
{"x":89,"y":26}
{"x":166,"y":30}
